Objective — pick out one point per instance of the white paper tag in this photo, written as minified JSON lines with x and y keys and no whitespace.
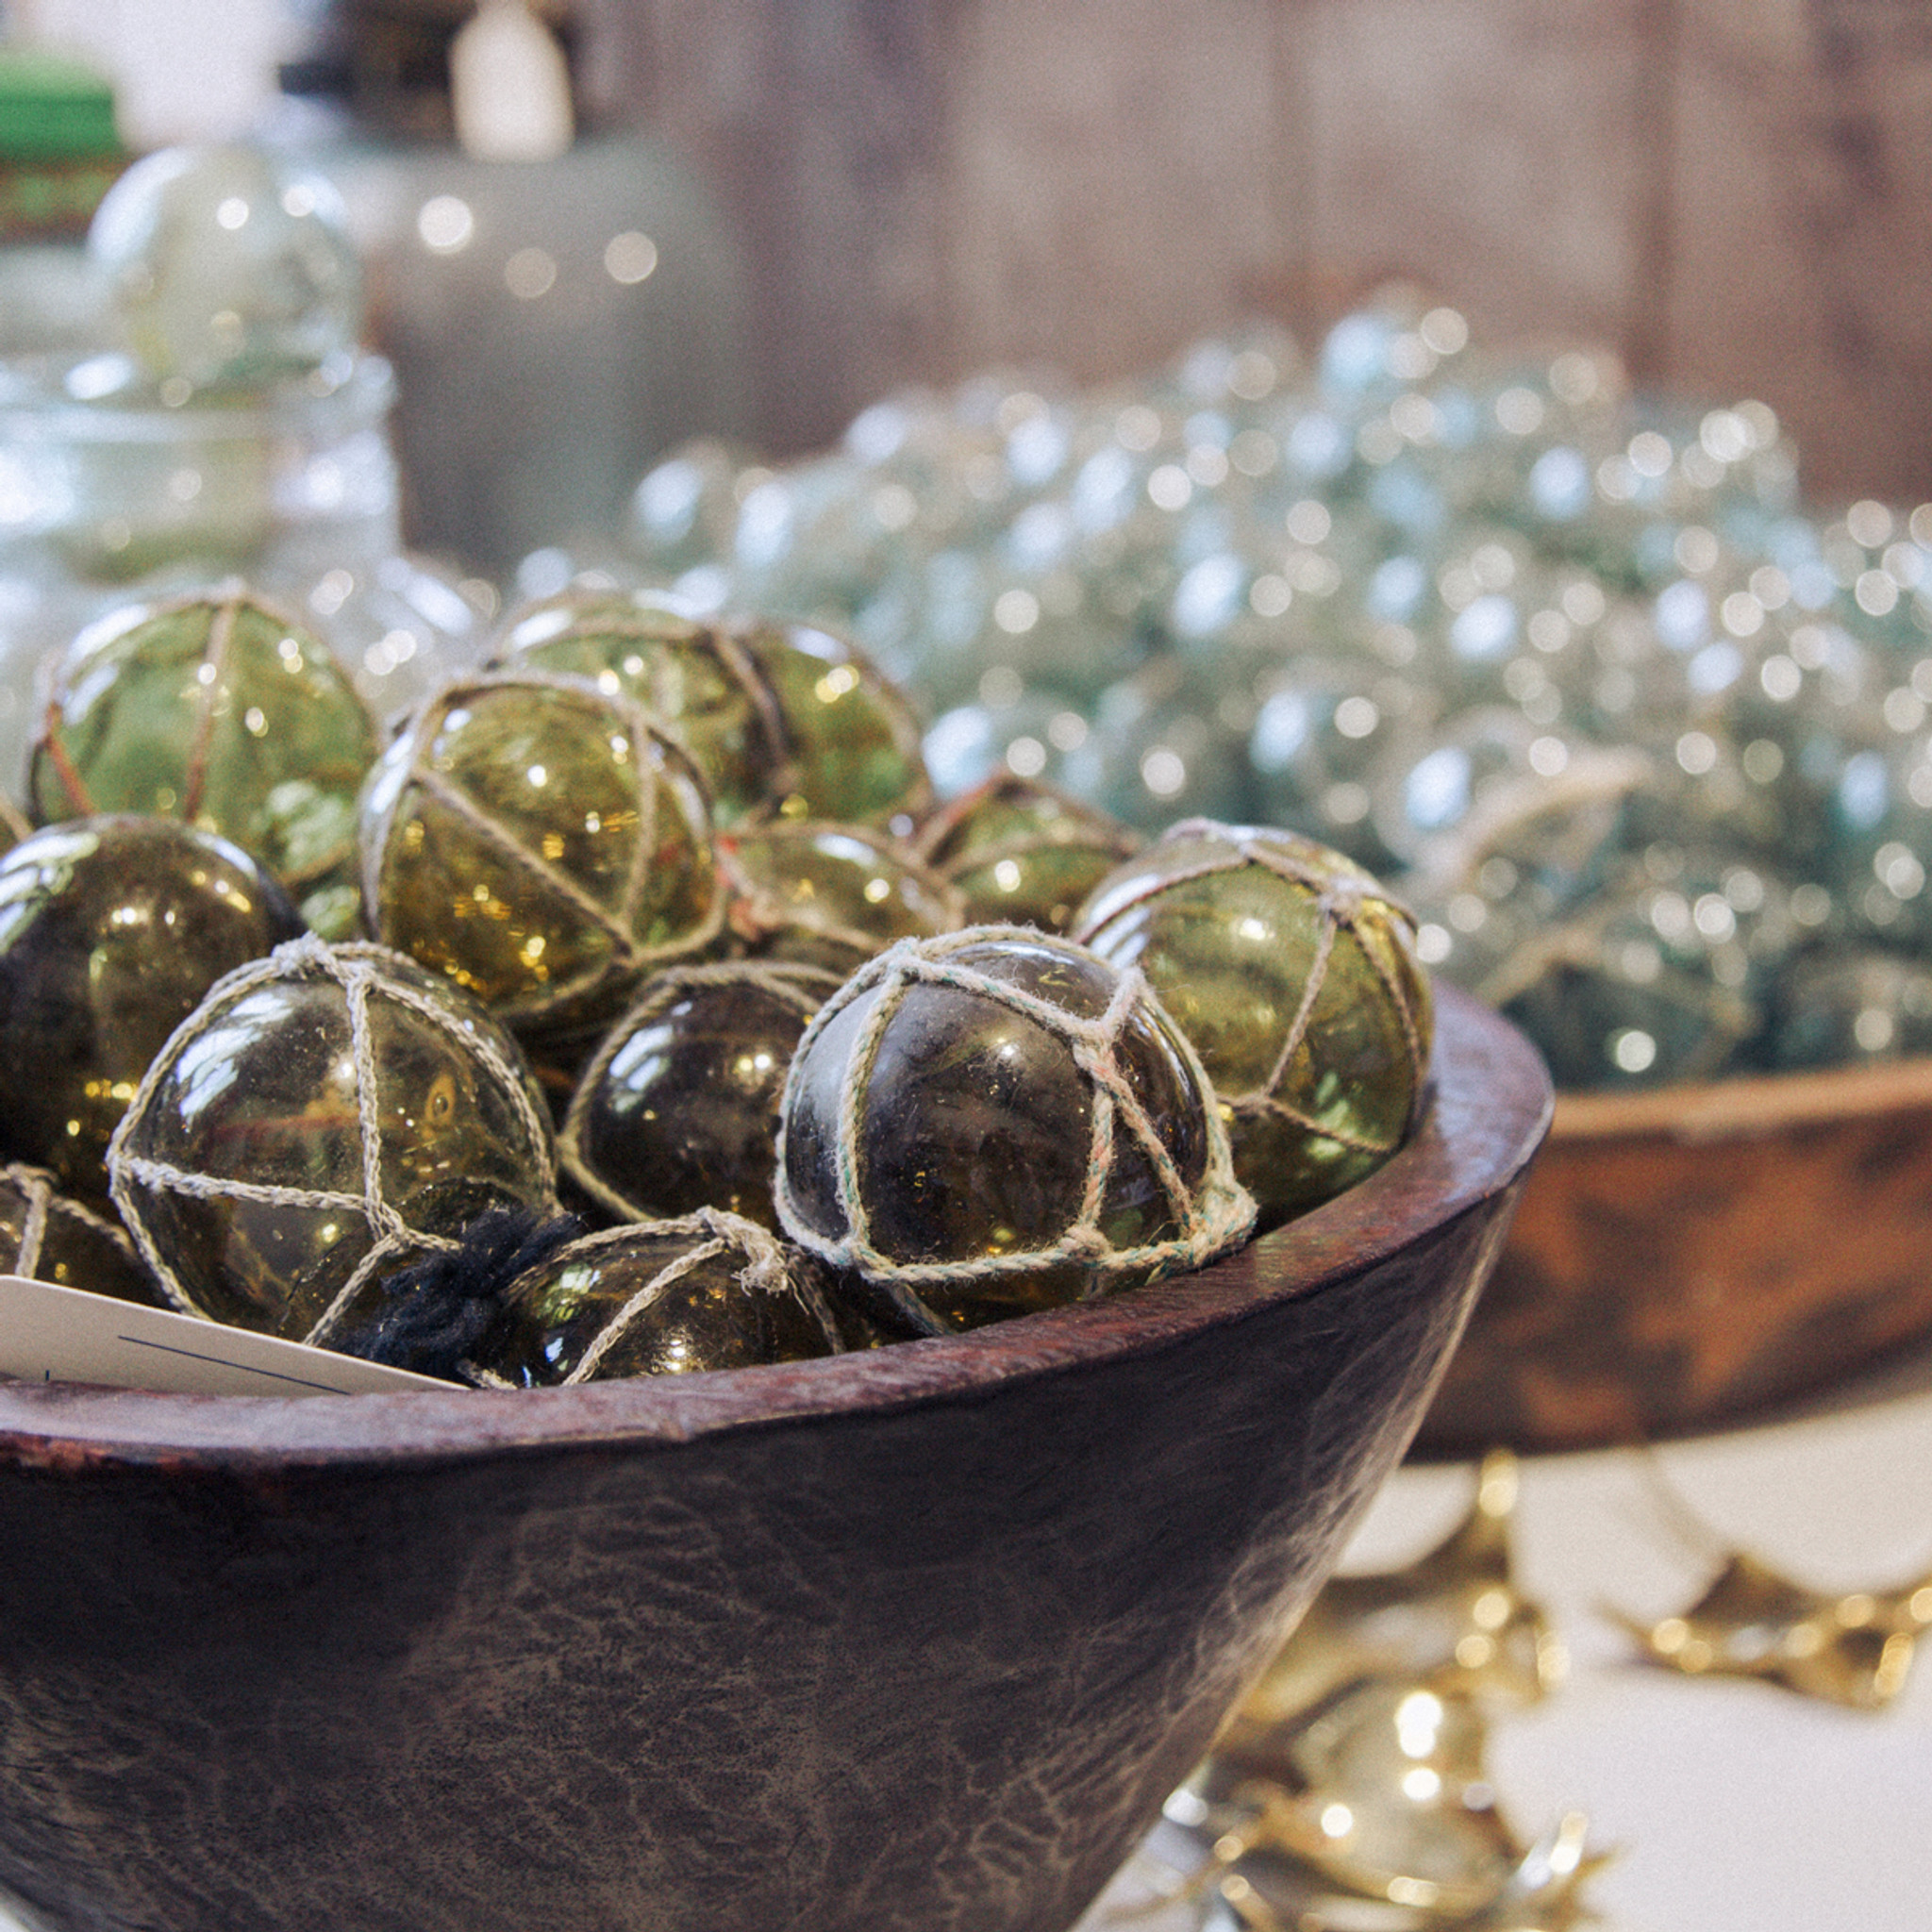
{"x":50,"y":1334}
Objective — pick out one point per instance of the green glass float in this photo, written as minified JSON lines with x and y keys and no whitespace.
{"x":702,"y":1290}
{"x":696,"y":677}
{"x":1850,"y":1011}
{"x":221,"y":710}
{"x":1611,"y":999}
{"x":851,"y":734}
{"x":781,"y":719}
{"x":1294,"y":973}
{"x":829,"y":895}
{"x":542,"y":844}
{"x":995,"y":1121}
{"x":45,"y":1237}
{"x":111,"y":930}
{"x":678,"y":1109}
{"x":1023,"y":853}
{"x":325,"y":1116}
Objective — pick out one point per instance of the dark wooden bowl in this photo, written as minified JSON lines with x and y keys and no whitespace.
{"x":1701,"y":1255}
{"x":913,"y":1639}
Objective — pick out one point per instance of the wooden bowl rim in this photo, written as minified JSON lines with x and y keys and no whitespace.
{"x":1746,"y":1106}
{"x":1488,"y":1111}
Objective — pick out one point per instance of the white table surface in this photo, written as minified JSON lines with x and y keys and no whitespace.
{"x":1735,"y":1806}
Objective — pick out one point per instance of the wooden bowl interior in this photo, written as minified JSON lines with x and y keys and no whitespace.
{"x":1489,"y":1110}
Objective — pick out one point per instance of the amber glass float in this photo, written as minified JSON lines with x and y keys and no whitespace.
{"x":542,"y":844}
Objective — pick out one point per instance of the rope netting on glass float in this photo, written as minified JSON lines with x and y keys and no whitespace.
{"x":326,"y":1115}
{"x":994,"y":1119}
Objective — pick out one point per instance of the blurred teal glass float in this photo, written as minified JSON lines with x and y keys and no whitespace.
{"x":1494,"y":625}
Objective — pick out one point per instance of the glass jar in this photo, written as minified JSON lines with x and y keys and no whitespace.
{"x":114,"y":488}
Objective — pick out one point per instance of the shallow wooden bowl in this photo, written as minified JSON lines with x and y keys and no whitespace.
{"x":912,"y":1639}
{"x":1701,"y":1255}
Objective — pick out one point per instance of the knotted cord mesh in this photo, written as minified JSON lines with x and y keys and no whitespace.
{"x":1341,"y":900}
{"x":799,"y":991}
{"x":690,"y":1241}
{"x":1210,"y":1218}
{"x":364,"y":974}
{"x":673,"y":830}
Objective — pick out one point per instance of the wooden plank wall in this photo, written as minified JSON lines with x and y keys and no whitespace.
{"x":1738,"y":194}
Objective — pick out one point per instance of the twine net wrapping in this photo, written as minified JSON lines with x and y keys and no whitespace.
{"x":1211,"y":1217}
{"x":672,"y":809}
{"x":638,"y":647}
{"x":797,"y":990}
{"x":1341,"y":899}
{"x":363,"y":973}
{"x":760,"y":1267}
{"x":43,"y":1204}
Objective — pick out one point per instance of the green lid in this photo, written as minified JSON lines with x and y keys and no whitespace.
{"x":53,"y":108}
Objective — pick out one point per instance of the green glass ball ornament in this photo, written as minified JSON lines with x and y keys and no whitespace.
{"x":696,"y":677}
{"x":1666,"y":972}
{"x":702,"y":1290}
{"x":227,"y":267}
{"x":1023,"y":853}
{"x":222,"y":711}
{"x":1294,"y":975}
{"x":46,"y":1237}
{"x":829,"y":895}
{"x":851,"y":735}
{"x":1531,"y":844}
{"x":111,"y":930}
{"x":1853,"y":1009}
{"x":540,"y":843}
{"x":1322,"y":730}
{"x":325,"y":1116}
{"x":678,"y":1109}
{"x":994,"y":1122}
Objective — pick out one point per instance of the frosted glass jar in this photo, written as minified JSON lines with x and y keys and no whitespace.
{"x":109,"y":493}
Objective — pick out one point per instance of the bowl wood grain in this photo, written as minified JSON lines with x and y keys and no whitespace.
{"x":1701,"y":1255}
